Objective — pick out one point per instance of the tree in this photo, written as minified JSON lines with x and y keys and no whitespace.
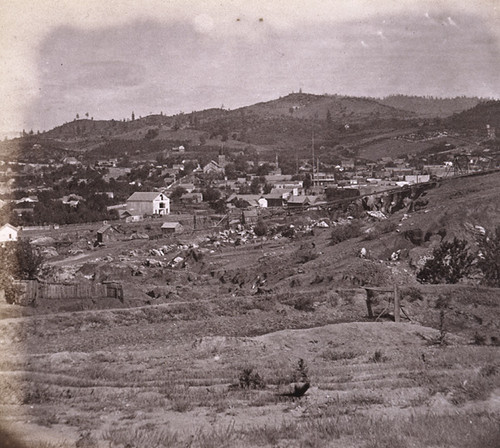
{"x":489,"y":257}
{"x":260,"y":228}
{"x":450,"y":262}
{"x":255,"y":186}
{"x":211,"y":194}
{"x":307,"y":182}
{"x":28,"y":261}
{"x":230,"y":171}
{"x":219,"y":206}
{"x":177,"y":193}
{"x":18,"y":261}
{"x":264,"y":169}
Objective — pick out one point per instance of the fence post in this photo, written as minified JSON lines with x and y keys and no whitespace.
{"x":397,"y":310}
{"x":369,"y":296}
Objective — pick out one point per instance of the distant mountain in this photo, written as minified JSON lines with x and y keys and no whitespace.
{"x":430,"y":107}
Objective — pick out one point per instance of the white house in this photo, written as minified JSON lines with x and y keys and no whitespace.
{"x":417,"y":178}
{"x":213,"y":167}
{"x":8,"y":233}
{"x":148,"y":203}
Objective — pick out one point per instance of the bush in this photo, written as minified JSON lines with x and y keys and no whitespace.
{"x":450,"y":262}
{"x":368,"y":273}
{"x":489,"y":257}
{"x":345,"y":232}
{"x":260,"y":229}
{"x":304,"y":303}
{"x":249,"y":379}
{"x":378,"y":357}
{"x":411,"y":294}
{"x":306,"y":252}
{"x":301,"y":373}
{"x":381,"y":228}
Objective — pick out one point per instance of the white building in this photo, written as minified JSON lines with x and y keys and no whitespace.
{"x":8,"y":233}
{"x":148,"y":203}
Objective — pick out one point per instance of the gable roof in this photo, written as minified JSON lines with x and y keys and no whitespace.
{"x":302,"y":200}
{"x":107,"y":227}
{"x":145,"y":196}
{"x":9,"y":226}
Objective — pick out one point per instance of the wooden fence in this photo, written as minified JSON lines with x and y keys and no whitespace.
{"x":31,"y":290}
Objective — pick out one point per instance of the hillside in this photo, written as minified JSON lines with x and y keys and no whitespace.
{"x":215,"y":351}
{"x":342,"y":109}
{"x":477,"y":118}
{"x":429,"y":107}
{"x":374,"y":128}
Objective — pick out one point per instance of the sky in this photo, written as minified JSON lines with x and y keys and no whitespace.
{"x":60,"y":58}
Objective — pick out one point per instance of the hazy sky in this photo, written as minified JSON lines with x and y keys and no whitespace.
{"x":109,"y":58}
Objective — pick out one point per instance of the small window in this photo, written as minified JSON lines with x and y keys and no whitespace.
{"x":162,"y":205}
{"x":10,"y":236}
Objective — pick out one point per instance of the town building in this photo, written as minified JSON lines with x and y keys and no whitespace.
{"x":148,"y":203}
{"x":169,"y":228}
{"x":8,"y":233}
{"x":191,"y":198}
{"x":213,"y":167}
{"x":107,"y":233}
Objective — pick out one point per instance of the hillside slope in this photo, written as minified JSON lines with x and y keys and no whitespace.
{"x":428,"y":107}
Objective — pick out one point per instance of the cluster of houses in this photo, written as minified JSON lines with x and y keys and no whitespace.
{"x":281,"y":190}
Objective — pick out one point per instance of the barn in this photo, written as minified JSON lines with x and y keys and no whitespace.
{"x":148,"y":203}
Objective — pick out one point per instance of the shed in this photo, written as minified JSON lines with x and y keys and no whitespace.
{"x":169,"y":228}
{"x":107,"y":233}
{"x":249,"y":216}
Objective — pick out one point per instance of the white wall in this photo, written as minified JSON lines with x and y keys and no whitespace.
{"x":7,"y":234}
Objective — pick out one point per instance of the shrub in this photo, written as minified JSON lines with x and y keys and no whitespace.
{"x":301,"y":373}
{"x":412,"y":294}
{"x":304,"y":303}
{"x":440,"y":339}
{"x":379,"y":229}
{"x":331,"y":355}
{"x":367,"y":272}
{"x":489,"y":257}
{"x":249,"y":379}
{"x":260,"y":229}
{"x":306,"y":252}
{"x":479,"y":339}
{"x":378,"y":357}
{"x":345,"y":232}
{"x":450,"y":262}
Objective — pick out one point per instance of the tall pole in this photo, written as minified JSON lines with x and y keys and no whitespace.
{"x":312,"y":157}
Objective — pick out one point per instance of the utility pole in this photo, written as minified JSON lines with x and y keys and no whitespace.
{"x":312,"y":177}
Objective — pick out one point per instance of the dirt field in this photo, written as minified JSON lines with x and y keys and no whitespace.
{"x":261,"y":343}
